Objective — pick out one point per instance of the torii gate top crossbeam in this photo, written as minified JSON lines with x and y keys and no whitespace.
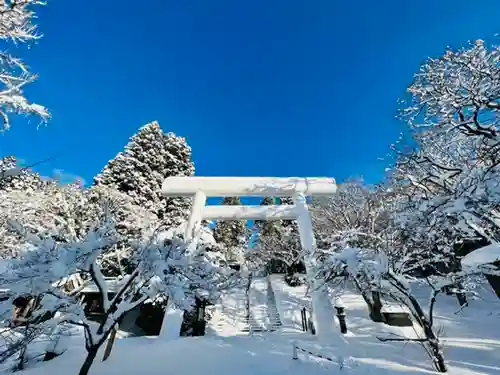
{"x":249,"y":186}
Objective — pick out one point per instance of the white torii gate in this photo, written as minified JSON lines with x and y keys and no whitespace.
{"x":297,"y":187}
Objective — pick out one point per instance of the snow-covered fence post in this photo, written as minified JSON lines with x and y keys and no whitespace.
{"x":304,"y":319}
{"x":330,"y":358}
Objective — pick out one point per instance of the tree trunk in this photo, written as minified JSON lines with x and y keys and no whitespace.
{"x":109,"y":344}
{"x":22,"y":355}
{"x":247,"y":297}
{"x":461,"y":297}
{"x":431,"y":337}
{"x":376,"y":308}
{"x":91,"y":354}
{"x":425,"y":322}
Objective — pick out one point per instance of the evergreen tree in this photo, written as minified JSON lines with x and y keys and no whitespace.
{"x":232,"y":235}
{"x":290,"y":225}
{"x":291,"y":240}
{"x":278,"y":241}
{"x":132,"y":223}
{"x":266,"y":228}
{"x":149,"y":157}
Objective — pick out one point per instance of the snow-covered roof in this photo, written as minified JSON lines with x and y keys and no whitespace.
{"x":113,"y":284}
{"x":484,"y":255}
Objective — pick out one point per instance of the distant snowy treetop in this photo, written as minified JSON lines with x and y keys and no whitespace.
{"x":139,"y":170}
{"x":15,"y":177}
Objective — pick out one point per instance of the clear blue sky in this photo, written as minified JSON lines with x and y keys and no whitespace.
{"x":257,"y":87}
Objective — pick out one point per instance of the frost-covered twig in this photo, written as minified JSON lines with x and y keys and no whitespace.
{"x":16,"y":25}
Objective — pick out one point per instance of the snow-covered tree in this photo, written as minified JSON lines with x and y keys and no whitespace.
{"x":258,"y":256}
{"x":452,"y":177}
{"x":264,"y":225}
{"x":17,"y":26}
{"x":66,"y":213}
{"x":350,"y":209}
{"x":278,"y":242}
{"x":357,"y":216}
{"x":132,"y":223}
{"x":453,"y":115}
{"x":167,"y":268}
{"x":185,"y":271}
{"x":232,"y":236}
{"x":457,"y":91}
{"x":370,"y":270}
{"x":149,"y":157}
{"x":44,"y":262}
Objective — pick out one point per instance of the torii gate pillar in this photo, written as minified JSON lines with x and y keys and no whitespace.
{"x":297,"y":187}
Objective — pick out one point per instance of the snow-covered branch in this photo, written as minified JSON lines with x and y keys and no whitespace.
{"x":17,"y":25}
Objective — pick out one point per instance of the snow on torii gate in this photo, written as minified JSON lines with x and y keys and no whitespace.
{"x":297,"y":187}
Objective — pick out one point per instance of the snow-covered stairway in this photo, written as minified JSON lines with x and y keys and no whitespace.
{"x":289,"y":302}
{"x":272,"y":307}
{"x":258,"y":315}
{"x":229,"y":316}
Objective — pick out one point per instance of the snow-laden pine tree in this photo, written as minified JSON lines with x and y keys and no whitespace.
{"x":255,"y":257}
{"x":149,"y":157}
{"x":262,"y":226}
{"x":232,"y":236}
{"x":290,"y":240}
{"x":17,"y":26}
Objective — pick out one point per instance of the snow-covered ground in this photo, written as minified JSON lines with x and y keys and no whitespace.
{"x":471,"y":345}
{"x":184,"y":356}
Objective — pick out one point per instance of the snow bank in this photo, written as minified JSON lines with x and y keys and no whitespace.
{"x":191,"y":356}
{"x":470,"y":347}
{"x":484,"y":255}
{"x":172,"y":322}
